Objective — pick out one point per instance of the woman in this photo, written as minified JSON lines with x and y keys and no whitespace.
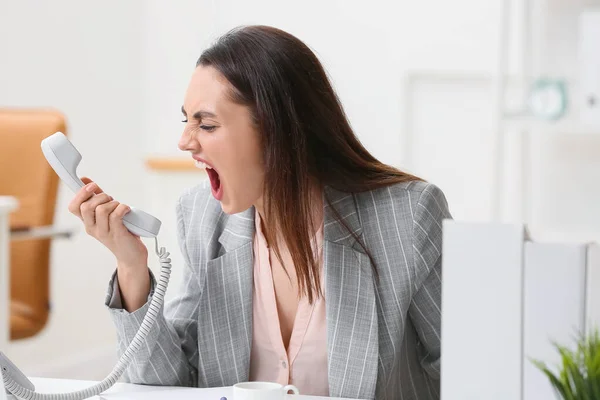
{"x":307,"y":261}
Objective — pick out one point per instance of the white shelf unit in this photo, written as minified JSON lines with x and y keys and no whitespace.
{"x":543,"y":172}
{"x":559,"y":159}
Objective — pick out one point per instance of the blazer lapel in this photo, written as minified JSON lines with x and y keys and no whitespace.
{"x":352,"y":333}
{"x":225,"y":328}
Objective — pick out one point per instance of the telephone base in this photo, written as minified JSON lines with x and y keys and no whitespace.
{"x":6,"y":366}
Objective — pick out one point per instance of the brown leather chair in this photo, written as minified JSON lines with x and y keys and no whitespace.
{"x":26,"y":175}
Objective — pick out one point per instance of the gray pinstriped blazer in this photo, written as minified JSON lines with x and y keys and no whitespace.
{"x":383,"y":336}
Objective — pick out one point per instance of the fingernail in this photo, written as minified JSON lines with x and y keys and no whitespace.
{"x":91,"y":187}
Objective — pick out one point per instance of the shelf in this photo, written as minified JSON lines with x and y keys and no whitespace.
{"x":553,"y":235}
{"x":560,"y":127}
{"x":172,"y":164}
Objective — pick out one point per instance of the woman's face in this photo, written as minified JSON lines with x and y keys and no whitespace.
{"x":221,"y":137}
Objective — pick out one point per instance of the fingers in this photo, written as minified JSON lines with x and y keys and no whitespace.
{"x":116,"y":217}
{"x":103,"y":212}
{"x":99,"y":212}
{"x":87,"y":180}
{"x":88,"y":210}
{"x":83,"y":195}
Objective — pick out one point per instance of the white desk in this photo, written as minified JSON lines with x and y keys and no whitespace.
{"x":7,"y":205}
{"x":122,"y":391}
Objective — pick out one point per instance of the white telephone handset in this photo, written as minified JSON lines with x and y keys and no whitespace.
{"x":64,"y":159}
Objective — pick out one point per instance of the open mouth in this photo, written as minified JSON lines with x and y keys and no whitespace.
{"x":215,"y":179}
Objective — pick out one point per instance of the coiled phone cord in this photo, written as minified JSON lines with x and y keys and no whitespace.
{"x":137,"y":342}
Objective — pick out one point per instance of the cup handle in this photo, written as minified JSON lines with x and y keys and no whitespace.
{"x":293,"y":388}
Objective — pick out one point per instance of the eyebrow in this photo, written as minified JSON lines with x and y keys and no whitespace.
{"x":200,"y":114}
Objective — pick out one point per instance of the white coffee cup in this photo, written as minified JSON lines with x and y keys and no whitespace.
{"x":261,"y":391}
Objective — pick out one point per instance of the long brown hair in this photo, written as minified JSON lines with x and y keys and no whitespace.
{"x":306,"y":137}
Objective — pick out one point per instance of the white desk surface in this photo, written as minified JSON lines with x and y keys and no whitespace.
{"x":123,"y":391}
{"x":8,"y":204}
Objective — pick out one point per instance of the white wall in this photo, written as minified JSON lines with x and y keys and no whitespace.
{"x":119,"y":71}
{"x":366,"y":50}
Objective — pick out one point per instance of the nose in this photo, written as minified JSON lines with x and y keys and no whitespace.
{"x":188,"y":142}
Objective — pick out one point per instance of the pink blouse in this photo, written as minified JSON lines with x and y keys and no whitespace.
{"x":304,"y":364}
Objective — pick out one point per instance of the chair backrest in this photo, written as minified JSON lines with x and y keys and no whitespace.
{"x":25,"y":174}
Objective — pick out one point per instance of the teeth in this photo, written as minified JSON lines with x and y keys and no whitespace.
{"x":200,"y":164}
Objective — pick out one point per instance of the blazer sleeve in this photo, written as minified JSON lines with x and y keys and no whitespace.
{"x":425,"y":309}
{"x":169,"y":355}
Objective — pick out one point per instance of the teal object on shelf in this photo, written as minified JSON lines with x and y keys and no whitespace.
{"x":548,"y":98}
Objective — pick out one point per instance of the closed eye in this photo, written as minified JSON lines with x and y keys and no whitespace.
{"x":208,"y":128}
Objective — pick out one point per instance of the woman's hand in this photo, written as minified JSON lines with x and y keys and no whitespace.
{"x":102,"y":217}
